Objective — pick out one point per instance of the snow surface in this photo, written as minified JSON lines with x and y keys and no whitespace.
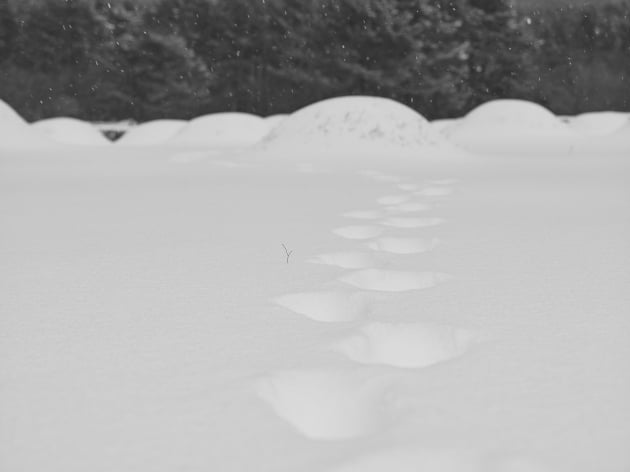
{"x":461,"y":314}
{"x":70,"y":131}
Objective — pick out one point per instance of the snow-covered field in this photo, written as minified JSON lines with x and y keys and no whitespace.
{"x":438,"y":310}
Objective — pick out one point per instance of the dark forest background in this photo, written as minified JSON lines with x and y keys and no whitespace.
{"x":98,"y":61}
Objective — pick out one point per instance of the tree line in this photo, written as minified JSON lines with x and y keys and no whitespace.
{"x":102,"y":60}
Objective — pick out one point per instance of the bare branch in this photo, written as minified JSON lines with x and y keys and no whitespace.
{"x":288,"y":253}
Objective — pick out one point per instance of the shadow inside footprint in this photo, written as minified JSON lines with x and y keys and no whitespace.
{"x":325,"y":405}
{"x":328,"y":307}
{"x":405,"y":345}
{"x":358,"y":232}
{"x":408,"y":223}
{"x":345,"y":260}
{"x":393,"y":280}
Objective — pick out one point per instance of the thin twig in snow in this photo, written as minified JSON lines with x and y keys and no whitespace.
{"x":287,"y":252}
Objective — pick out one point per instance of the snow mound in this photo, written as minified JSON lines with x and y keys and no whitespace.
{"x":598,"y":123}
{"x":152,"y":132}
{"x":511,"y":126}
{"x":70,"y":131}
{"x":353,"y":121}
{"x":222,"y":130}
{"x":9,"y":115}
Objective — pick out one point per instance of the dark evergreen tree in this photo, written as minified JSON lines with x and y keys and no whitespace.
{"x":8,"y":30}
{"x":100,"y":59}
{"x":499,"y":52}
{"x":164,"y":78}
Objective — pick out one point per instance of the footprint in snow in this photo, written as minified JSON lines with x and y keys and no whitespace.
{"x":326,"y":405}
{"x":409,"y":207}
{"x":386,"y":179}
{"x":393,"y":280}
{"x":403,"y":245}
{"x":345,"y":260}
{"x":408,"y":223}
{"x":405,"y":345}
{"x":389,"y":200}
{"x":443,"y":182}
{"x":363,"y":215}
{"x":358,"y":232}
{"x":379,"y":176}
{"x":328,"y":306}
{"x":408,"y":187}
{"x":436,"y":191}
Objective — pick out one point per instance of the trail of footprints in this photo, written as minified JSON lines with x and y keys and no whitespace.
{"x":325,"y":404}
